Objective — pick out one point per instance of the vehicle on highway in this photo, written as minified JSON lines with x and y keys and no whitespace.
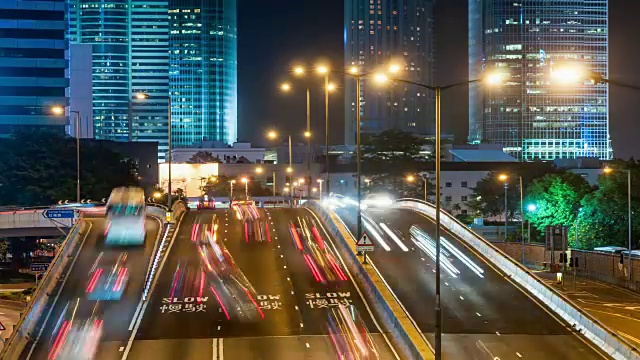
{"x":125,"y":216}
{"x":376,"y":201}
{"x":319,"y":257}
{"x":108,"y":277}
{"x":255,"y":224}
{"x":75,"y":338}
{"x":349,"y":335}
{"x":233,"y":291}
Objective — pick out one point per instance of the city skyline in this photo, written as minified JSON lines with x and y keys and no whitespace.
{"x":380,"y":34}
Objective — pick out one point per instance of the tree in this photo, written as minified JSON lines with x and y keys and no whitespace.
{"x":39,"y":168}
{"x":203,"y":157}
{"x":603,"y":219}
{"x":488,"y":194}
{"x":557,"y":199}
{"x":389,"y":157}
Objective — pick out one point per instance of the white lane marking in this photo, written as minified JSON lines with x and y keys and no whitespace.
{"x":66,"y":276}
{"x":153,"y":287}
{"x":153,"y":253}
{"x":221,"y":350}
{"x":214,"y":349}
{"x":344,"y":266}
{"x":519,"y":355}
{"x":121,"y":348}
{"x":301,"y":325}
{"x":497,"y":333}
{"x":218,"y":327}
{"x":478,"y":314}
{"x":308,"y":346}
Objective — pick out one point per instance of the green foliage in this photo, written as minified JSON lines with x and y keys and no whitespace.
{"x":389,"y":157}
{"x":203,"y":157}
{"x":488,"y":195}
{"x":557,"y":199}
{"x":39,"y":168}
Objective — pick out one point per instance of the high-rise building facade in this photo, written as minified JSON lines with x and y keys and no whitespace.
{"x":203,"y":71}
{"x":529,"y":114}
{"x":376,"y":34}
{"x":130,"y":43}
{"x":33,"y":64}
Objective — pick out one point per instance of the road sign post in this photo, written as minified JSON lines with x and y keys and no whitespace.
{"x":364,"y":245}
{"x":59,"y":213}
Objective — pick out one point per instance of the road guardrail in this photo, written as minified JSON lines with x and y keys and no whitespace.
{"x":591,"y":328}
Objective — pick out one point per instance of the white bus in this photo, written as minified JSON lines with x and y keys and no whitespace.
{"x":125,"y":217}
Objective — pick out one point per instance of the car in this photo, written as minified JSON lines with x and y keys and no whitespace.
{"x":108,"y":278}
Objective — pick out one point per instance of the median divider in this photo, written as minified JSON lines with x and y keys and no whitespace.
{"x":596,"y":332}
{"x":24,"y":330}
{"x":405,"y":335}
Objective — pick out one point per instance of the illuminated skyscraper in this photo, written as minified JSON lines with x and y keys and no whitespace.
{"x":380,"y":32}
{"x":203,"y":70}
{"x":130,"y":46}
{"x":33,"y":64}
{"x":529,"y":115}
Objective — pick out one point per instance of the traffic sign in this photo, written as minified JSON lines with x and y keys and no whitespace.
{"x":39,"y":267}
{"x":2,"y":327}
{"x":364,"y":244}
{"x":59,"y":213}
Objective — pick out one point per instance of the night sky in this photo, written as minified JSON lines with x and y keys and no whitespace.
{"x":274,"y":35}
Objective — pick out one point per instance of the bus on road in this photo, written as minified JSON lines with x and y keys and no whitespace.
{"x":125,"y":215}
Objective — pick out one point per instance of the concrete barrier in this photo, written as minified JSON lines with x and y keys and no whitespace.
{"x":592,"y":329}
{"x":26,"y":325}
{"x":391,"y":323}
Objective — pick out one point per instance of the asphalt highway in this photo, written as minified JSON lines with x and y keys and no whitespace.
{"x":485,"y":315}
{"x":176,"y":325}
{"x":71,"y":289}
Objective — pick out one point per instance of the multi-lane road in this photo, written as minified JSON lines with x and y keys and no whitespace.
{"x":182,"y":320}
{"x":294,"y":305}
{"x":485,"y":315}
{"x":71,"y":290}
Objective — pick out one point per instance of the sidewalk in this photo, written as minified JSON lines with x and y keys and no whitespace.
{"x":616,"y":307}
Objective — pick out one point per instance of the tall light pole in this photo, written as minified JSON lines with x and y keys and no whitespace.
{"x":492,"y":79}
{"x":412,"y":178}
{"x":609,"y":170}
{"x":274,"y":135}
{"x":531,"y":208}
{"x":505,"y":179}
{"x":322,"y":69}
{"x":246,"y":188}
{"x":231,"y":182}
{"x":320,"y":182}
{"x":59,"y":110}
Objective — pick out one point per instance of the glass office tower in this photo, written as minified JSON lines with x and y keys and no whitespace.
{"x":130,"y":46}
{"x":203,"y":71}
{"x":33,"y":64}
{"x":532,"y":117}
{"x":380,"y":32}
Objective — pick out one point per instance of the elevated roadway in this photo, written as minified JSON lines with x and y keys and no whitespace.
{"x":175,"y":326}
{"x":485,"y":315}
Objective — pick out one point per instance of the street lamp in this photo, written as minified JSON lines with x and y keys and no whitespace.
{"x":259,"y":170}
{"x":504,"y":178}
{"x":412,"y":178}
{"x":59,"y":110}
{"x":531,"y":208}
{"x":274,"y":135}
{"x":231,"y":182}
{"x":320,"y":184}
{"x":488,"y":78}
{"x":245,"y":181}
{"x":324,"y":70}
{"x":608,"y":170}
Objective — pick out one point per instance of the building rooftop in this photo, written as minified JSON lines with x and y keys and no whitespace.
{"x":472,"y":155}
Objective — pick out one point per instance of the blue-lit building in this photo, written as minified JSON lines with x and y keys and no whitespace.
{"x":130,"y":43}
{"x":377,"y":33}
{"x":529,"y":115}
{"x":203,"y":71}
{"x":33,"y":64}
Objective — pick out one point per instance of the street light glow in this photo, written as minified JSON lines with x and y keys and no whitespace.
{"x":298,"y":70}
{"x":503,"y":177}
{"x":289,"y":169}
{"x":314,"y":189}
{"x":380,"y":78}
{"x":57,"y":110}
{"x":607,"y":170}
{"x":320,"y":181}
{"x":410,"y":178}
{"x":354,"y":70}
{"x":301,"y":181}
{"x":307,"y":134}
{"x":331,"y":87}
{"x":394,"y":68}
{"x":157,"y":194}
{"x":531,"y":207}
{"x":259,"y":170}
{"x":323,"y":69}
{"x":141,"y":96}
{"x":285,"y":87}
{"x":213,"y":178}
{"x":494,"y":78}
{"x":567,"y":74}
{"x":244,"y":180}
{"x":272,"y":134}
